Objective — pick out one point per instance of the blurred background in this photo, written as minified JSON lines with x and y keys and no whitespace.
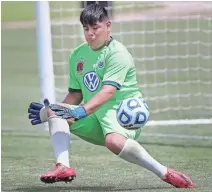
{"x":171,"y":43}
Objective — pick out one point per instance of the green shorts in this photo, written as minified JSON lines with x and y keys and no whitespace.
{"x":96,"y":126}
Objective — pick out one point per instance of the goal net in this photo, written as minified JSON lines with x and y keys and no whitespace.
{"x":171,"y":43}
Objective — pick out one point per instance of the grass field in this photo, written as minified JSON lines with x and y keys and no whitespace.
{"x":26,"y":150}
{"x":25,"y":11}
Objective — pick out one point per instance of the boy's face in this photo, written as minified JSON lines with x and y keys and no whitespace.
{"x":97,"y":34}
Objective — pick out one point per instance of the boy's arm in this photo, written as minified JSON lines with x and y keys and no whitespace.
{"x":73,"y":97}
{"x":82,"y":111}
{"x":105,"y":94}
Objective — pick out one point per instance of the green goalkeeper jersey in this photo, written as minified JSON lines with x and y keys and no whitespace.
{"x":110,"y":65}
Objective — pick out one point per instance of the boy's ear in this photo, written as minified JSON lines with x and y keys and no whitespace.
{"x":108,"y":24}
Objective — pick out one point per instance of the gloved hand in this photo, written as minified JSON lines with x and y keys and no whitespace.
{"x":38,"y":112}
{"x":68,"y":113}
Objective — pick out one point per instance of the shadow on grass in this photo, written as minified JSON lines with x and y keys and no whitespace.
{"x":52,"y":188}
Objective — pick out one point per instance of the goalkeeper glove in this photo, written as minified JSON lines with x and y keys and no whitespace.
{"x":38,"y":112}
{"x":67,"y":112}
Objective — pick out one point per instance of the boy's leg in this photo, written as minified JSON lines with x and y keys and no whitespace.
{"x":89,"y":130}
{"x":60,"y":140}
{"x":131,"y":151}
{"x":122,"y":142}
{"x":116,"y":137}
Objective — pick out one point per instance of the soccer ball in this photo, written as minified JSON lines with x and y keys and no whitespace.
{"x":132,"y":113}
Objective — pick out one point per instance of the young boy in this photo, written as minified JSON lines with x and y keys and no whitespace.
{"x":102,"y":74}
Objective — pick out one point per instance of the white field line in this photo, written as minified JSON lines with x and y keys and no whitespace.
{"x":180,"y":122}
{"x":177,"y":136}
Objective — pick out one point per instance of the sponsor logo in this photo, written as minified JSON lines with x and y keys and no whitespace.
{"x":91,"y":81}
{"x":80,"y":66}
{"x":101,"y":64}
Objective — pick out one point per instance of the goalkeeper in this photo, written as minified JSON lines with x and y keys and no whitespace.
{"x":102,"y":74}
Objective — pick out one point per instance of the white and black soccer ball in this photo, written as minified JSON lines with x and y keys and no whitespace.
{"x":132,"y":113}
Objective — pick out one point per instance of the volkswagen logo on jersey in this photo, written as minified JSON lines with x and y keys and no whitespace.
{"x":91,"y":81}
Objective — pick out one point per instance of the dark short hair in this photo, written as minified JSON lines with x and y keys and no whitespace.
{"x":92,"y":14}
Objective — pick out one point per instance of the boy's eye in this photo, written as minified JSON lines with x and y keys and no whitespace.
{"x":95,"y":27}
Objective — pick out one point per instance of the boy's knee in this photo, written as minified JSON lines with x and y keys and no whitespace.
{"x":57,"y":124}
{"x":115,"y":142}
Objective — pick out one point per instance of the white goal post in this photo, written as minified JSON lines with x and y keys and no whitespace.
{"x":44,"y":50}
{"x":171,"y":43}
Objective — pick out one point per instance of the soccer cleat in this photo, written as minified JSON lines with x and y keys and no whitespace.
{"x":59,"y":173}
{"x":177,"y":179}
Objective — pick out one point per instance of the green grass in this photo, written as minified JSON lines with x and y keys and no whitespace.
{"x":17,"y":11}
{"x":25,"y":10}
{"x":25,"y":157}
{"x":26,"y":150}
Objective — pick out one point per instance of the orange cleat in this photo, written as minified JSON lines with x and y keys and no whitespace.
{"x":177,"y":179}
{"x":59,"y":173}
